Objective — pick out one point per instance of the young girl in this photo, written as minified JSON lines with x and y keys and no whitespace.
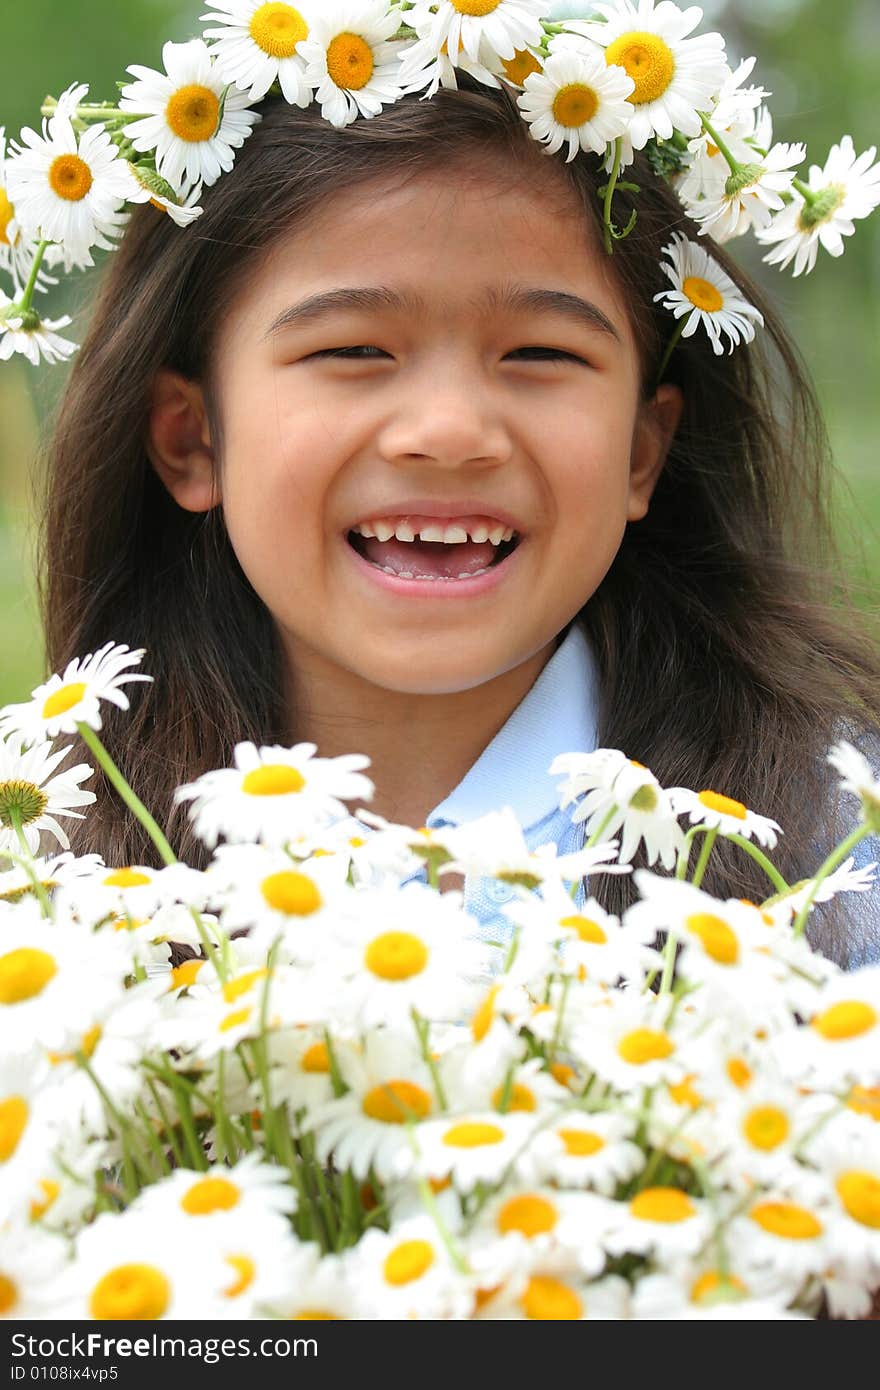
{"x":379,"y":454}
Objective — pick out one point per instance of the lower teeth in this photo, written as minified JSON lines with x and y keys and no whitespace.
{"x":441,"y":578}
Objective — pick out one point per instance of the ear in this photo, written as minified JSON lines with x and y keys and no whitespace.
{"x":179,"y":442}
{"x":655,"y":428}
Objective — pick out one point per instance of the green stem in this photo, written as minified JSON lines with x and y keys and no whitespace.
{"x":733,"y":163}
{"x":133,"y":802}
{"x":836,"y":857}
{"x":27,"y":862}
{"x":671,"y":346}
{"x":422,"y":1026}
{"x":761,"y":859}
{"x":24,"y":303}
{"x":95,"y":112}
{"x":167,"y":1122}
{"x":808,"y":194}
{"x":668,"y":964}
{"x":711,"y":837}
{"x":609,"y":194}
{"x":600,"y":828}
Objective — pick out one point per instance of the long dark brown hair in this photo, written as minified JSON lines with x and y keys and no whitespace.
{"x":730,"y":652}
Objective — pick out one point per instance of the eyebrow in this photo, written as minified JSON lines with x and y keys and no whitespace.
{"x":516,"y":299}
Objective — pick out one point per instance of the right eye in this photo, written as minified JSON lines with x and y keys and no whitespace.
{"x":350,"y":351}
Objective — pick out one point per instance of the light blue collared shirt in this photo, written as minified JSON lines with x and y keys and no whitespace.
{"x":558,"y":715}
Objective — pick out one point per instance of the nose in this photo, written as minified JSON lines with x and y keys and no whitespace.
{"x":448,"y":414}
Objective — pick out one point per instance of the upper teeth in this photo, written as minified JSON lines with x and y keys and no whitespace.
{"x":453,"y":534}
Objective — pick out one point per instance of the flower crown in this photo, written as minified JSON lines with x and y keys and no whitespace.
{"x":630,"y":75}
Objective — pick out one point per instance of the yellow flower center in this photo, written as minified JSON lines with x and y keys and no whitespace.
{"x":718,"y":940}
{"x":715,"y":1287}
{"x":21,"y":801}
{"x":395,"y":1102}
{"x":63,"y":699}
{"x":580,"y":1143}
{"x":478,"y":8}
{"x":549,"y":1300}
{"x":316,"y":1315}
{"x":470,"y":1134}
{"x":848,"y":1019}
{"x":70,"y":177}
{"x":24,"y":973}
{"x":7,"y":212}
{"x":666,"y":1204}
{"x":484,"y":1015}
{"x":575,"y":104}
{"x":87,"y":1044}
{"x":647,"y":59}
{"x":704,"y":295}
{"x":586,"y":929}
{"x":408,"y":1261}
{"x":520,"y":1098}
{"x":292,"y":893}
{"x":860,"y":1194}
{"x":739,"y":1072}
{"x":316,"y":1058}
{"x":13,"y":1120}
{"x":185,"y":973}
{"x":277,"y":29}
{"x":234,"y":989}
{"x":644,"y":1045}
{"x":865,"y":1100}
{"x":245,"y":1270}
{"x":209,"y":1195}
{"x":528,"y":1214}
{"x":233,"y":1020}
{"x":396,"y":955}
{"x":686,"y":1094}
{"x":193,"y":113}
{"x":714,"y":800}
{"x":520,"y":66}
{"x":39,"y":1208}
{"x":132,"y":1292}
{"x":349,"y":61}
{"x":272,"y":779}
{"x":562,"y":1072}
{"x":786,"y":1219}
{"x":8,"y":1295}
{"x":126,"y":878}
{"x":766,"y":1127}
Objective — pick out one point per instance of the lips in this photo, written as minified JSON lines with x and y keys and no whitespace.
{"x":442,"y":548}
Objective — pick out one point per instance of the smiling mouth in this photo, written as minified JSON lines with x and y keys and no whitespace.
{"x":444,"y":551}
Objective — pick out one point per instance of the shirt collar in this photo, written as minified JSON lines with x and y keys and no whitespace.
{"x":558,"y":715}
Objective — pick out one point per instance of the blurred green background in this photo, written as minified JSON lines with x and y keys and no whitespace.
{"x":819,"y":61}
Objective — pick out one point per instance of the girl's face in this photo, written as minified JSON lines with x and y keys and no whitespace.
{"x":450,"y":361}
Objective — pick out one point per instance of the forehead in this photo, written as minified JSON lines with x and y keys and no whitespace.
{"x":448,"y":238}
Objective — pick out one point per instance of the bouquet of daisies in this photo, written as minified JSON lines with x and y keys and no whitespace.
{"x":344,"y":1104}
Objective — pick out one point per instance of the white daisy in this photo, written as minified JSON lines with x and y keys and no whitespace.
{"x":548,"y":1294}
{"x":425,"y":69}
{"x":848,"y":187}
{"x":273,"y":793}
{"x":390,"y":1089}
{"x":785,"y":1236}
{"x":30,"y":1262}
{"x":589,"y":938}
{"x":34,"y":337}
{"x":29,"y":1128}
{"x":187,"y":114}
{"x":675,"y":77}
{"x":628,"y":1043}
{"x":576,"y":99}
{"x":459,"y":25}
{"x":255,"y":44}
{"x":664,"y":1221}
{"x":17,"y":248}
{"x":566,"y":1226}
{"x":584,"y":1150}
{"x":857,"y":777}
{"x":852,"y":1169}
{"x":52,"y":979}
{"x":637,"y":803}
{"x":69,"y":188}
{"x":697,"y":1289}
{"x":52,"y":873}
{"x":409,"y":1273}
{"x":254,"y":1258}
{"x":324,"y":1289}
{"x":263,"y":889}
{"x":250,"y":1186}
{"x":762,"y":1129}
{"x":133,"y":890}
{"x":31,"y":797}
{"x":707,"y":295}
{"x":148,"y":187}
{"x":407,"y":948}
{"x":725,"y":814}
{"x":299,"y":1062}
{"x":750,"y":195}
{"x":350,"y":63}
{"x":62,"y":702}
{"x":471,"y":1147}
{"x":841,"y":1038}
